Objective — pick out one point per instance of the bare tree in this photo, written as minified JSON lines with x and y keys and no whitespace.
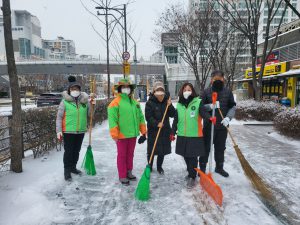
{"x":245,"y":16}
{"x":16,"y":149}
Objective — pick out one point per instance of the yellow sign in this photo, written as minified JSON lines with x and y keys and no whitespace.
{"x":126,"y":68}
{"x":273,"y":69}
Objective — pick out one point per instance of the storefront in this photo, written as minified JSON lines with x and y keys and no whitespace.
{"x":281,"y":83}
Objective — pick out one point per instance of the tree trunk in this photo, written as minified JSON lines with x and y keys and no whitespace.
{"x":16,"y":148}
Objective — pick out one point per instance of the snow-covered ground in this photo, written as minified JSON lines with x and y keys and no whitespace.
{"x":39,"y":195}
{"x":6,"y":110}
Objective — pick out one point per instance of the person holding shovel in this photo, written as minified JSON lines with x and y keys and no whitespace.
{"x":158,"y":101}
{"x":126,"y":122}
{"x":188,"y":125}
{"x":225,"y":102}
{"x":71,"y":124}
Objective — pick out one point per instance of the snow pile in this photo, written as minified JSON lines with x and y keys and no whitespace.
{"x":288,"y":122}
{"x":255,"y":110}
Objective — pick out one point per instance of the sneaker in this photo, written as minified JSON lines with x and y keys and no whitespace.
{"x":222,"y":172}
{"x":67,"y":174}
{"x":190,"y":183}
{"x":130,"y":176}
{"x":76,"y":171}
{"x":124,"y":181}
{"x":161,"y":171}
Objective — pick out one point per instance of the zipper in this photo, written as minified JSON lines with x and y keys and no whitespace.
{"x":77,"y":127}
{"x":185,"y":121}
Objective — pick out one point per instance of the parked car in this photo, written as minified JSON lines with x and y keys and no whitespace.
{"x":49,"y":99}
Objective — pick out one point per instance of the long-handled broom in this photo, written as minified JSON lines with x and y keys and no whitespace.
{"x":88,"y":162}
{"x":206,"y":180}
{"x":255,"y":179}
{"x":142,"y":191}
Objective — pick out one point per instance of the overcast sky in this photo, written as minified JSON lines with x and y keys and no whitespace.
{"x":69,"y":19}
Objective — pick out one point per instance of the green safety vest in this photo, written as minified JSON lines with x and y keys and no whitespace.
{"x":75,"y":118}
{"x":189,"y":120}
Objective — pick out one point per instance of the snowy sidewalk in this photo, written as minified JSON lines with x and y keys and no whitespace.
{"x":40,"y":195}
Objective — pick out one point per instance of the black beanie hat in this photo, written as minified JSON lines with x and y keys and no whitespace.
{"x":73,"y":82}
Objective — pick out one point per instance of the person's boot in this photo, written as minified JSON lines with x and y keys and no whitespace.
{"x":219,"y":169}
{"x":160,"y":170}
{"x":76,"y":171}
{"x":203,"y":167}
{"x":130,"y":176}
{"x":67,"y":174}
{"x":190,"y":183}
{"x":124,"y":181}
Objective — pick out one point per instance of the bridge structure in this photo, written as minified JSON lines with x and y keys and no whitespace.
{"x":81,"y":67}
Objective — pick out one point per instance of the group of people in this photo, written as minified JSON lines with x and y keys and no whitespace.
{"x":191,"y":127}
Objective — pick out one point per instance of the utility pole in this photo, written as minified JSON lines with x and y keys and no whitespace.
{"x":125,"y":28}
{"x":107,"y":53}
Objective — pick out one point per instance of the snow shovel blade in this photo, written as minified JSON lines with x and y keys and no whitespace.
{"x":142,"y":191}
{"x":88,"y":162}
{"x":212,"y":189}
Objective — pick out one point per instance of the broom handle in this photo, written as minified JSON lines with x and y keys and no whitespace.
{"x":230,"y":134}
{"x":154,"y":146}
{"x":91,"y":112}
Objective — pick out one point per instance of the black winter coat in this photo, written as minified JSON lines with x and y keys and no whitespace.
{"x":226,"y":99}
{"x":154,"y":112}
{"x":189,"y":146}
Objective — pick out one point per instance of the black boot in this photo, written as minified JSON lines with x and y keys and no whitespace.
{"x":76,"y":171}
{"x":160,"y":170}
{"x":203,"y":167}
{"x":219,"y":169}
{"x":67,"y":174}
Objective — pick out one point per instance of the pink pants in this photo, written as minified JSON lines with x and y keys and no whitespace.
{"x":125,"y":155}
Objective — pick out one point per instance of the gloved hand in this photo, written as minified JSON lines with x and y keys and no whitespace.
{"x":213,"y":120}
{"x":172,"y":137}
{"x":217,"y":105}
{"x":225,"y":122}
{"x":142,"y":139}
{"x":59,"y":136}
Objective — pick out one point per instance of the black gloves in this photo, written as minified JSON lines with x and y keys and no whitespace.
{"x":142,"y":139}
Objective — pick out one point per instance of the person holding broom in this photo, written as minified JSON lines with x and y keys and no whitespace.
{"x":225,"y":102}
{"x":158,"y":101}
{"x":126,"y":122}
{"x":188,"y":125}
{"x":71,"y":124}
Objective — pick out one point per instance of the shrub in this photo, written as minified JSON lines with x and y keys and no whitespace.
{"x":288,"y":122}
{"x":255,"y":110}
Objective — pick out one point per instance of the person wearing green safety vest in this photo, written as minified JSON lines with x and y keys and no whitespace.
{"x":71,"y":124}
{"x":188,"y":126}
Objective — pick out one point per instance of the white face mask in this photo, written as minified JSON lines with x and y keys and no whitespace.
{"x":75,"y":94}
{"x":187,"y":94}
{"x":159,"y":93}
{"x":126,"y":91}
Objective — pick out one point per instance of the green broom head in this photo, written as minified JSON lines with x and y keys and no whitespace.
{"x":142,"y":192}
{"x":88,"y":162}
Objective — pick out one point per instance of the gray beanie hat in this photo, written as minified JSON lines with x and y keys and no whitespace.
{"x":73,"y":82}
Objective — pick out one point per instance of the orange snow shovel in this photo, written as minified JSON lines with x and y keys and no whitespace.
{"x":206,"y":180}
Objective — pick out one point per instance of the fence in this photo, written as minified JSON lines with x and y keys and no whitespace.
{"x":39,"y":134}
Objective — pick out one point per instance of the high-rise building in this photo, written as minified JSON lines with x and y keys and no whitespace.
{"x":60,"y":48}
{"x":27,"y":41}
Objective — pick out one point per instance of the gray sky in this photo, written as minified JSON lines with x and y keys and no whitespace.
{"x":69,"y":19}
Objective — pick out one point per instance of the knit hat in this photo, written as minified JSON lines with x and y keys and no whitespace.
{"x":73,"y":82}
{"x":158,"y":85}
{"x":123,"y":82}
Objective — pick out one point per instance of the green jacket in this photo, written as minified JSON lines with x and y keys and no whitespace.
{"x":189,"y":120}
{"x":125,"y":117}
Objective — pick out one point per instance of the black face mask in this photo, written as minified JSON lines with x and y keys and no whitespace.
{"x":217,"y":85}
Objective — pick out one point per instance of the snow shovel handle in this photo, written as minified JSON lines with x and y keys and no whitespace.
{"x":154,"y":146}
{"x":230,"y":134}
{"x":93,"y":88}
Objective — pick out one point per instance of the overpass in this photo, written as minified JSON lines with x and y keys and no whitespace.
{"x":81,"y":67}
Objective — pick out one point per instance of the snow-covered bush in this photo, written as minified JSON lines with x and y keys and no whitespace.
{"x":255,"y":110}
{"x":288,"y":122}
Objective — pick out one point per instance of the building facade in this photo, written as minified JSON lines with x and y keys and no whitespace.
{"x":60,"y":48}
{"x":27,"y":41}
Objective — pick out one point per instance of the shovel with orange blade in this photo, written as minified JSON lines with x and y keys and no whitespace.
{"x":206,"y":180}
